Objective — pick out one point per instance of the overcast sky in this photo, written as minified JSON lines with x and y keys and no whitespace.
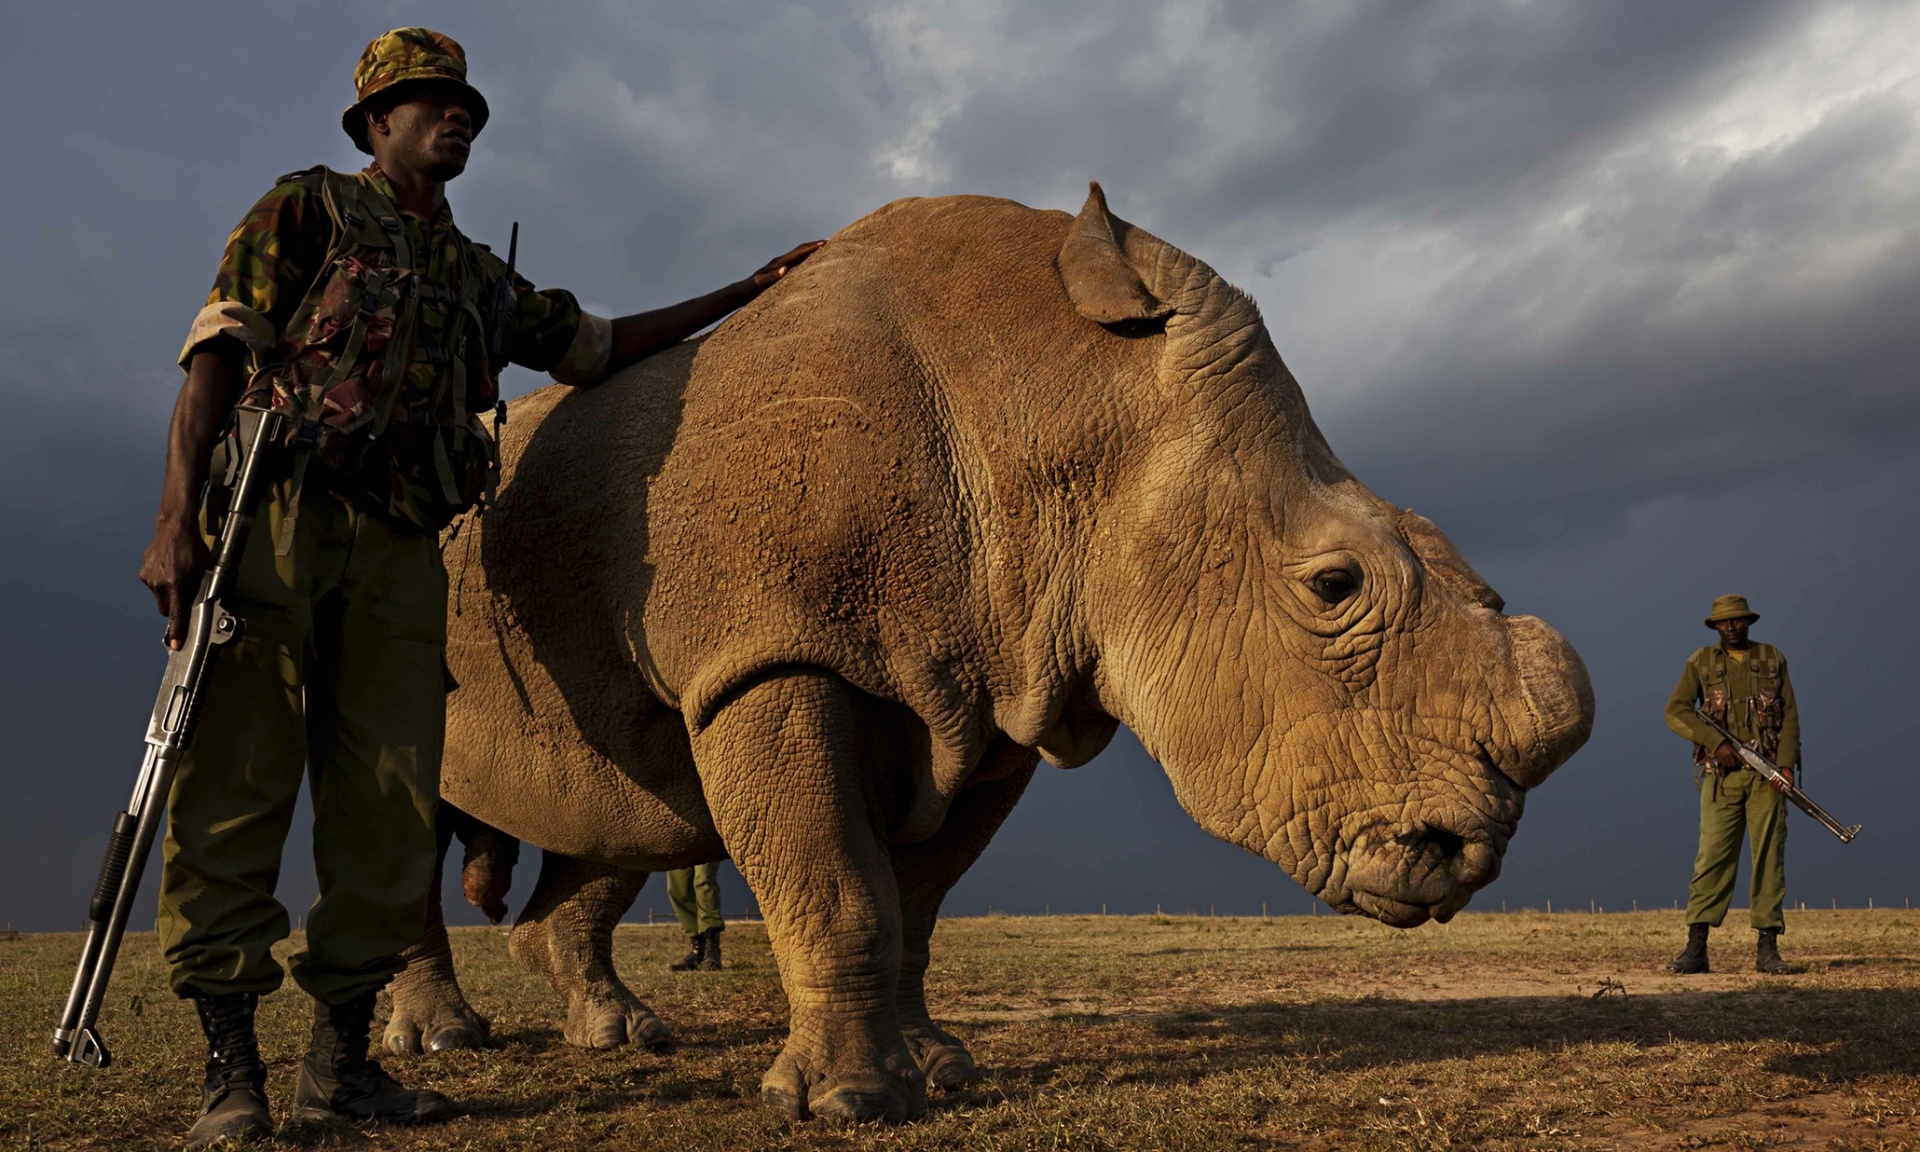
{"x":1625,"y":296}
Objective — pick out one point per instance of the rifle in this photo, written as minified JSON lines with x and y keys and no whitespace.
{"x":1750,"y":756}
{"x":169,"y":735}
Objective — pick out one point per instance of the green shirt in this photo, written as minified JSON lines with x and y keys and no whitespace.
{"x":270,"y":262}
{"x":1682,"y":718}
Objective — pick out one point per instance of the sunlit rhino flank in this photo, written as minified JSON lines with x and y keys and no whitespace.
{"x":974,"y":486}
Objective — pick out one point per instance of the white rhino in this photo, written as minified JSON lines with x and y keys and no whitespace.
{"x":971,"y":487}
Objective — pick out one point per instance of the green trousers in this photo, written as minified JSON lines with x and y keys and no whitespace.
{"x":1742,"y":802}
{"x":695,"y":896}
{"x":338,"y":674}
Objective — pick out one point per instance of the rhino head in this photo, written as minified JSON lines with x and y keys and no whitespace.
{"x":1324,"y":678}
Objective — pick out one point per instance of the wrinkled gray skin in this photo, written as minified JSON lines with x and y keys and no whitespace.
{"x":973,"y":486}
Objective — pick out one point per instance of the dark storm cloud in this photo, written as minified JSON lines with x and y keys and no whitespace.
{"x":1621,"y":294}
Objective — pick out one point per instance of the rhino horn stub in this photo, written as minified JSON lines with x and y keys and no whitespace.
{"x":1099,"y":275}
{"x":1444,"y":561}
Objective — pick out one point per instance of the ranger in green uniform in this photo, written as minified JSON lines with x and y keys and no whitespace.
{"x":353,"y":305}
{"x":1743,"y":685}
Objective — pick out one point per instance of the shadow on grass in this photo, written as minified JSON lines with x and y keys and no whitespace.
{"x":1221,"y":949}
{"x":1840,"y":1035}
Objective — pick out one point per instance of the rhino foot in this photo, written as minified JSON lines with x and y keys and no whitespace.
{"x":609,"y":1016}
{"x":894,"y":1094}
{"x":430,"y":1012}
{"x":422,"y":1024}
{"x":565,"y":933}
{"x":940,"y":1054}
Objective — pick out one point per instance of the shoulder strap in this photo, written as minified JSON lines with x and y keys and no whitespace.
{"x":363,"y":218}
{"x":302,"y":173}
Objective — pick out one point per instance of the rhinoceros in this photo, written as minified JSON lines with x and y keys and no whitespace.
{"x":970,"y":488}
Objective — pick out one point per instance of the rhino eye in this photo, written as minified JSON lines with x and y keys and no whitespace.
{"x":1334,"y":584}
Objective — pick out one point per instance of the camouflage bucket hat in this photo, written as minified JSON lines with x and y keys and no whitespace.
{"x":1730,"y":608}
{"x":403,"y":56}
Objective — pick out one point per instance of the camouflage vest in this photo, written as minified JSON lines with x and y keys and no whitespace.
{"x":1766,"y":707}
{"x":339,"y":369}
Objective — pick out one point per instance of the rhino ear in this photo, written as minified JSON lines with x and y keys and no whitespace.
{"x":1100,"y":278}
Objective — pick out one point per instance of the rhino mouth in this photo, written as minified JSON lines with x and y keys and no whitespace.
{"x":1407,"y":874}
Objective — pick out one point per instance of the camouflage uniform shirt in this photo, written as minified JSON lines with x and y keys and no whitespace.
{"x":271,"y":261}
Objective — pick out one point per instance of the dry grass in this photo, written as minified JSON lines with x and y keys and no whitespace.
{"x":1498,"y":1031}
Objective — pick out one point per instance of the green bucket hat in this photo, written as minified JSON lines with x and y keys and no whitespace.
{"x":1730,"y":608}
{"x":403,"y":56}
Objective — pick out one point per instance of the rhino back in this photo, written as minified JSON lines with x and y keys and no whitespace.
{"x":862,"y":471}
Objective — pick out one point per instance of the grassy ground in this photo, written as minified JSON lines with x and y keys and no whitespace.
{"x":1498,"y":1031}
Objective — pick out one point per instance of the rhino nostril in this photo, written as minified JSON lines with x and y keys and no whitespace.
{"x":1448,"y":844}
{"x":1429,"y":840}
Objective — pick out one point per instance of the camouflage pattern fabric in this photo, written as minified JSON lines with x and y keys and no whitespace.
{"x":352,"y":323}
{"x":271,"y":261}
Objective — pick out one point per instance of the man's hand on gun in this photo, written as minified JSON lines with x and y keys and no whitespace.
{"x":171,"y":569}
{"x":1725,"y":759}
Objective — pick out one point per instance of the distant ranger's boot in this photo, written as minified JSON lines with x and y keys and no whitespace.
{"x":337,"y":1079}
{"x":1766,"y":955}
{"x":1693,"y":961}
{"x":711,"y":961}
{"x":696,"y":952}
{"x":234,"y":1108}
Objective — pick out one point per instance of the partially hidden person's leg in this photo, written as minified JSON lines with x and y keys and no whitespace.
{"x":227,"y":819}
{"x":925,"y":873}
{"x":681,"y":899}
{"x":1767,"y":888}
{"x":706,"y":899}
{"x":780,"y":764}
{"x":565,"y":933}
{"x":706,"y":896}
{"x":376,"y":722}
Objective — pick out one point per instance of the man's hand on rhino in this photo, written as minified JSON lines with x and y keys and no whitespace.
{"x":642,"y":334}
{"x":770,"y":273}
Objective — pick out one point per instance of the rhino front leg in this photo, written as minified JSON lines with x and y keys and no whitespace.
{"x":925,"y":873}
{"x":565,"y":933}
{"x":430,"y":1012}
{"x":781,"y":771}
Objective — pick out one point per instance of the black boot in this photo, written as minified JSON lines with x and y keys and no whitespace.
{"x":1693,"y":961}
{"x":234,"y":1107}
{"x":696,"y":952}
{"x":1766,"y":955}
{"x":337,"y":1079}
{"x":711,"y":961}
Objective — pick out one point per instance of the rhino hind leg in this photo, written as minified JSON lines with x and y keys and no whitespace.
{"x":925,"y":873}
{"x":430,"y":1011}
{"x":812,"y":839}
{"x":565,"y":933}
